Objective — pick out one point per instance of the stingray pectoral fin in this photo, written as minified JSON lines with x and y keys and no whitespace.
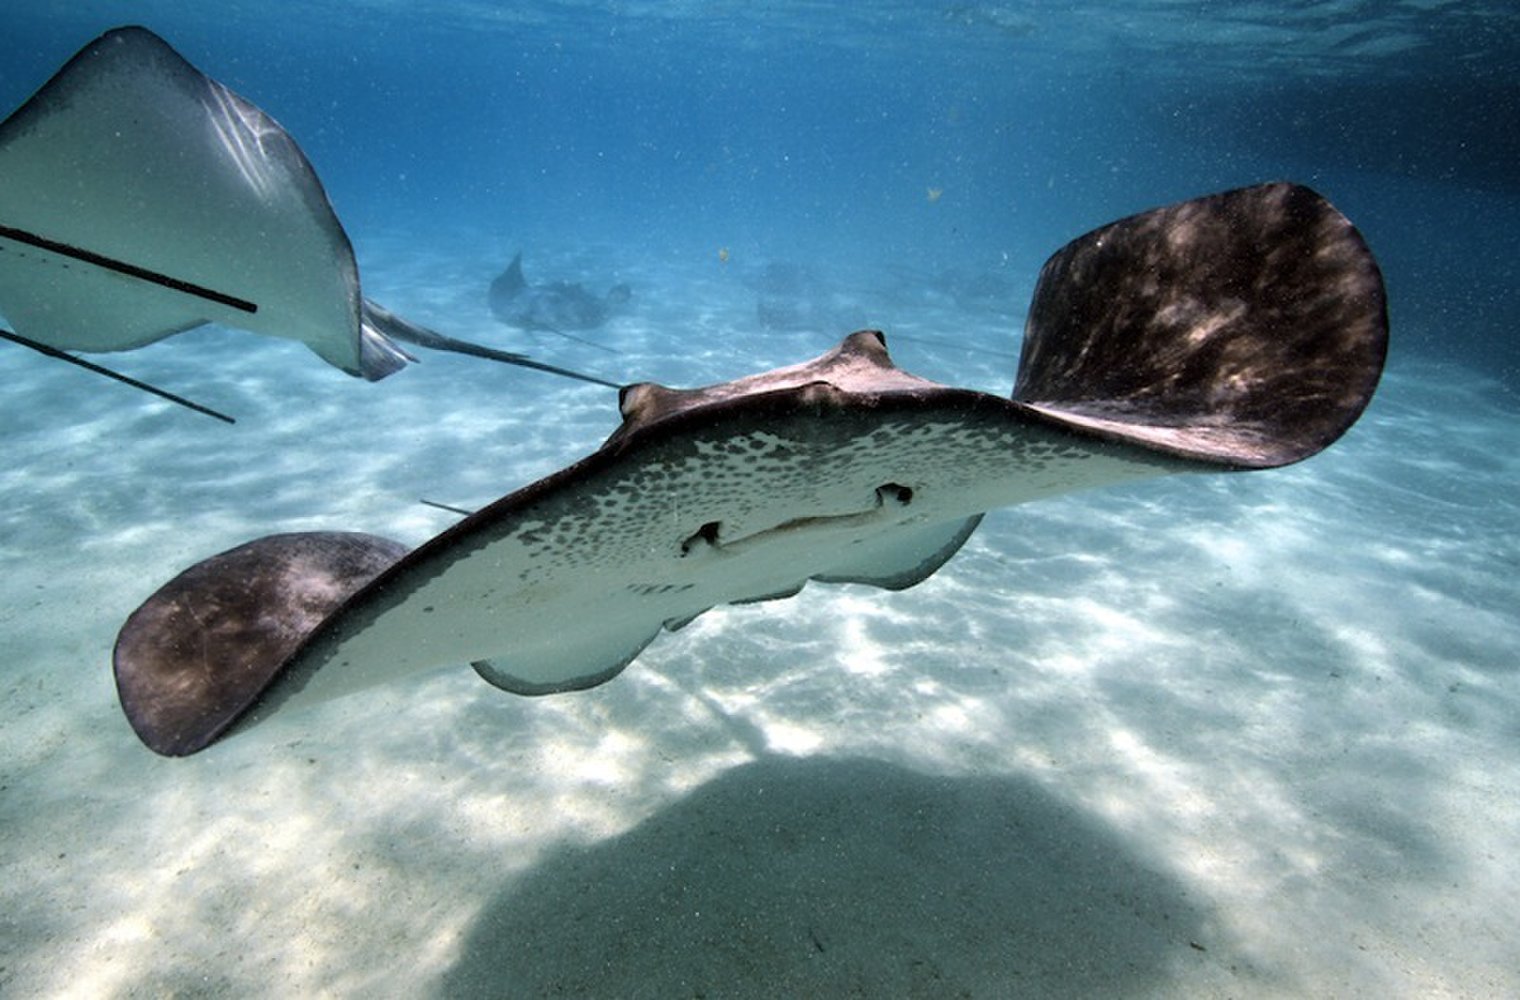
{"x":1248,"y":327}
{"x":599,"y":658}
{"x":510,"y":281}
{"x":903,"y":559}
{"x":203,"y":649}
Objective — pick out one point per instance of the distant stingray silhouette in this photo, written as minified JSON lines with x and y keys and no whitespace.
{"x":554,"y":307}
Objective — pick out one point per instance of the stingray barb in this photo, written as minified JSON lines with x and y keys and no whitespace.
{"x":1243,"y":330}
{"x":140,"y":198}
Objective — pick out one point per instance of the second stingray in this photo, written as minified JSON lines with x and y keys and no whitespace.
{"x":141,"y":198}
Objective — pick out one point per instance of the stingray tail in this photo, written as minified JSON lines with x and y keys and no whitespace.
{"x":580,"y":340}
{"x":388,"y":326}
{"x":1248,"y":328}
{"x":110,"y":373}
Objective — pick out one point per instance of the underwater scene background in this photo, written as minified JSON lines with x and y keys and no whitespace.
{"x":1245,"y":735}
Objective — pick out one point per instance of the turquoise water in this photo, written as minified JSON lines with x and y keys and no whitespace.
{"x":1249,"y":735}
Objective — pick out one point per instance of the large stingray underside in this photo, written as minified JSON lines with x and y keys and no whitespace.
{"x":1241,"y":330}
{"x":140,"y":198}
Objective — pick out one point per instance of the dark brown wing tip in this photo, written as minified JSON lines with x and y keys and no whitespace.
{"x":1248,"y":328}
{"x":202,"y":650}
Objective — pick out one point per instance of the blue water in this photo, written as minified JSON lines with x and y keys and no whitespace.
{"x":811,"y":131}
{"x":1247,"y":735}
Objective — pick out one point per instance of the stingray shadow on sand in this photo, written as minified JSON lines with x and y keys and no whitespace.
{"x":847,"y":877}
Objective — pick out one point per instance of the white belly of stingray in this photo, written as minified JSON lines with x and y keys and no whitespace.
{"x":585,"y":579}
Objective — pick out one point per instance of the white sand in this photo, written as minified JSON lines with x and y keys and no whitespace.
{"x":1216,"y":736}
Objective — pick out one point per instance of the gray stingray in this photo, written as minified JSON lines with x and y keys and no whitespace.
{"x":1244,"y":330}
{"x":140,"y":198}
{"x":554,"y":307}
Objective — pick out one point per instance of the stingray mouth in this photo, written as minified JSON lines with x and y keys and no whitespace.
{"x":710,"y":537}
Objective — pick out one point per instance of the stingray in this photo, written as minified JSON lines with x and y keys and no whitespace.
{"x":1245,"y":330}
{"x":554,"y":307}
{"x":140,"y":198}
